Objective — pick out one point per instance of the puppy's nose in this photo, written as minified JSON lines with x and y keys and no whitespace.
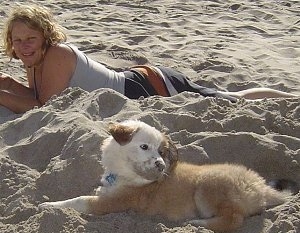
{"x":160,"y":165}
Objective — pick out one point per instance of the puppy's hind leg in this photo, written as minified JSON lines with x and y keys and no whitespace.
{"x":229,"y":220}
{"x":217,"y":212}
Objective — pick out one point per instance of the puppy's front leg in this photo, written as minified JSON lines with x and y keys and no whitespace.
{"x":81,"y":204}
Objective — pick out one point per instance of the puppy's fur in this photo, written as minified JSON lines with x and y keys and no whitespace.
{"x":142,"y":173}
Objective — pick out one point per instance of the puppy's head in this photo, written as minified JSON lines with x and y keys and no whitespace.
{"x":138,"y":152}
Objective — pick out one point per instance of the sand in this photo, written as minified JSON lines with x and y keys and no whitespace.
{"x":52,"y":153}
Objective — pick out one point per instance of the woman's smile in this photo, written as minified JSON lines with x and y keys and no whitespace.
{"x":27,"y":43}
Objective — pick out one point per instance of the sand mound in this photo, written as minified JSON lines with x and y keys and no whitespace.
{"x":52,"y":153}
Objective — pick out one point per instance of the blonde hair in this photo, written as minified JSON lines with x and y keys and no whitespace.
{"x":38,"y":18}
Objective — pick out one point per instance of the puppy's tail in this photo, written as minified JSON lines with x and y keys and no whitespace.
{"x":279,"y":191}
{"x":285,"y":185}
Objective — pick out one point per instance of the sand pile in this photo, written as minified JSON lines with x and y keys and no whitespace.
{"x":52,"y":153}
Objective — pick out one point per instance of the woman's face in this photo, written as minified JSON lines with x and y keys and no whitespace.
{"x":27,"y":44}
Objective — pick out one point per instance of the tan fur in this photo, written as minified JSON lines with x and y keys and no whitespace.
{"x":217,"y":196}
{"x":230,"y":193}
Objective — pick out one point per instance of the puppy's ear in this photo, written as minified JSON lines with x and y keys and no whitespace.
{"x":173,"y":154}
{"x":170,"y":152}
{"x":121,"y":133}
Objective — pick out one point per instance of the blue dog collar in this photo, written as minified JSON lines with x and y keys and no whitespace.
{"x":111,"y":179}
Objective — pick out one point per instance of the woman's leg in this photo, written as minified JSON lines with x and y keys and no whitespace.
{"x":259,"y":93}
{"x":182,"y":83}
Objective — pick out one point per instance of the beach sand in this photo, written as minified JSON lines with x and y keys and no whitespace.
{"x":52,"y":153}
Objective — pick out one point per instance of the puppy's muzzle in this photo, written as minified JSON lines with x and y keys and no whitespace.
{"x":160,"y":165}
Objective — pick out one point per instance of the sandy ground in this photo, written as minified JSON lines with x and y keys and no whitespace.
{"x":52,"y":153}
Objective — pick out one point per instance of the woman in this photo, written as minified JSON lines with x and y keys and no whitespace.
{"x":32,"y":35}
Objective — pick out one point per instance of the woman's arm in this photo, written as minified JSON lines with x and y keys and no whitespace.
{"x":15,"y":96}
{"x":18,"y":103}
{"x":59,"y":66}
{"x":9,"y":84}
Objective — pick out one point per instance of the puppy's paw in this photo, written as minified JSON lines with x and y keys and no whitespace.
{"x":98,"y":191}
{"x":45,"y":205}
{"x":78,"y":203}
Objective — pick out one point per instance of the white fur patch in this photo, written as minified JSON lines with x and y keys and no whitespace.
{"x":137,"y":162}
{"x":78,"y":203}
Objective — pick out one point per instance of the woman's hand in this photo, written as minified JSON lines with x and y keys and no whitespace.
{"x":15,"y":96}
{"x":5,"y":81}
{"x":18,"y":103}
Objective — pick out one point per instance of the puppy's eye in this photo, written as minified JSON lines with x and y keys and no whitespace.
{"x":144,"y":147}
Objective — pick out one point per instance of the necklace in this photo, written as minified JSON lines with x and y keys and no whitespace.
{"x":39,"y":64}
{"x":36,"y":88}
{"x":36,"y":93}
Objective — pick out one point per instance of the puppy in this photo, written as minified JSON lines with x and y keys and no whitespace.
{"x":142,"y":173}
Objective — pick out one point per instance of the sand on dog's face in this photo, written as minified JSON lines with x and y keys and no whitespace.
{"x":54,"y":151}
{"x":134,"y":151}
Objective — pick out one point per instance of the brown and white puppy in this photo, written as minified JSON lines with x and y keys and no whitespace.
{"x":142,"y":173}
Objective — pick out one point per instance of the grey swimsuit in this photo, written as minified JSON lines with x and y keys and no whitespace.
{"x":91,"y":75}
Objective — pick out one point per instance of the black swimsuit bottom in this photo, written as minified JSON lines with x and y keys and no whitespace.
{"x":136,"y":85}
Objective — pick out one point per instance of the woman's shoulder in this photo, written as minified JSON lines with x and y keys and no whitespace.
{"x":60,"y":50}
{"x":60,"y":54}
